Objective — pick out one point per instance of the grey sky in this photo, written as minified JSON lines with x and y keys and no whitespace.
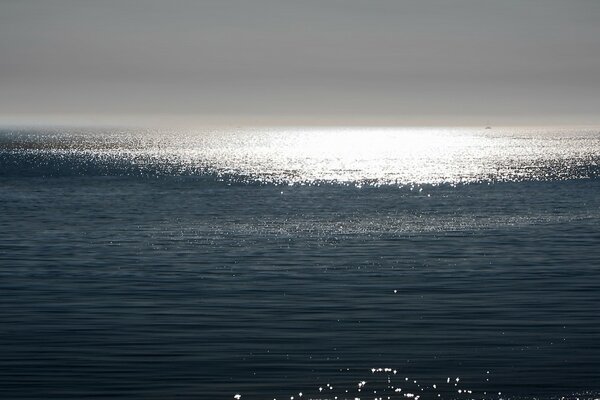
{"x":345,"y":61}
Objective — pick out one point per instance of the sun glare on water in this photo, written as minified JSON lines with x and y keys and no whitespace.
{"x":389,"y":156}
{"x":311,"y":156}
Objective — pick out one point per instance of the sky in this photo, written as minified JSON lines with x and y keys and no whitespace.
{"x":347,"y":62}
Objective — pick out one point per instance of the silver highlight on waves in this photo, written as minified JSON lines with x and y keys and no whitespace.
{"x":309,"y":156}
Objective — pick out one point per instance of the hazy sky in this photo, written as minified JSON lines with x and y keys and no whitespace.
{"x":345,"y":61}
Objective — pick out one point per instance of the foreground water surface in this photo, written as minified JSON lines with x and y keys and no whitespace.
{"x":269,"y":263}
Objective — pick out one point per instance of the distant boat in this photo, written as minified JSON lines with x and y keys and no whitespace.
{"x":488,"y":127}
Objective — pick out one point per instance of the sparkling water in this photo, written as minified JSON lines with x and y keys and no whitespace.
{"x":313,"y":263}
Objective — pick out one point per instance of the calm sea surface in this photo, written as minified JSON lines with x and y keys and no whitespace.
{"x":336,"y":263}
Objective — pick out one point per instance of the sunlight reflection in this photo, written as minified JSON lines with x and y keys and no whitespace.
{"x":357,"y":156}
{"x":377,"y":156}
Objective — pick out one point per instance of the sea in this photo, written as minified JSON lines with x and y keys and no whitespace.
{"x":296,"y":263}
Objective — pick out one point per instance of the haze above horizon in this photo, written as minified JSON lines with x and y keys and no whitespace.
{"x":265,"y":62}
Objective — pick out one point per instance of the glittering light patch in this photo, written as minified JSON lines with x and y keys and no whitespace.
{"x":313,"y":156}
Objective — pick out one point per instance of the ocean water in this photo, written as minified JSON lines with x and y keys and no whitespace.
{"x":304,"y":263}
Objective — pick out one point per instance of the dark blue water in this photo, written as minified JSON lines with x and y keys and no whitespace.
{"x":127,"y":285}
